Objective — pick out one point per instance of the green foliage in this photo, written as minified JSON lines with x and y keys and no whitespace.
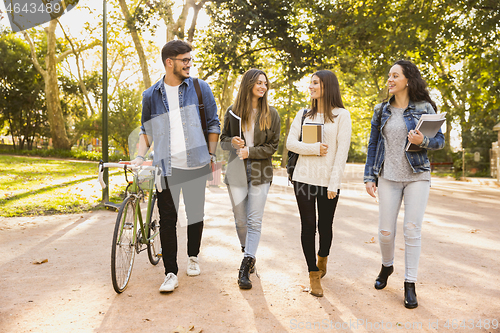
{"x":67,"y":154}
{"x":455,"y":44}
{"x":124,"y":116}
{"x":22,"y":103}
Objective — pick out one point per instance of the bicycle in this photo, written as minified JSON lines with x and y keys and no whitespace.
{"x":131,"y":234}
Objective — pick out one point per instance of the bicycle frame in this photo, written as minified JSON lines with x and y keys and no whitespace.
{"x":138,"y":195}
{"x":144,"y":239}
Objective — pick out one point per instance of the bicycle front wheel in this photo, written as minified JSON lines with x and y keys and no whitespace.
{"x":123,"y":247}
{"x":154,"y":244}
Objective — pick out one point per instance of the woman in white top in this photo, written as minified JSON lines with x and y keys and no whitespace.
{"x":250,"y":171}
{"x":319,"y":170}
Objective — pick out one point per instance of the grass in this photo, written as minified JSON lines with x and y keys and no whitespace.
{"x":34,"y":186}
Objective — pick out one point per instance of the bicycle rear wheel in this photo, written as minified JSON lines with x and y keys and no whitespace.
{"x":122,"y":249}
{"x":154,"y":245}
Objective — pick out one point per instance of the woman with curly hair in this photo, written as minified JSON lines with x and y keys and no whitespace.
{"x":401,"y":174}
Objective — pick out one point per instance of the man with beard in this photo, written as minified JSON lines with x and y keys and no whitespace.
{"x":171,"y":120}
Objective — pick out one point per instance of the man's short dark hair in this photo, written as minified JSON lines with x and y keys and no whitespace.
{"x":173,"y":48}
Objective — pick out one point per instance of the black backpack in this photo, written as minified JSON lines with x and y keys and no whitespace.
{"x":292,"y":156}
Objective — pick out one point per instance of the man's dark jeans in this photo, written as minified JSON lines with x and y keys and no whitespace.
{"x":192,"y":183}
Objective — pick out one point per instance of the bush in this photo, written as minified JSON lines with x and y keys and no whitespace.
{"x":356,"y":156}
{"x":70,"y":154}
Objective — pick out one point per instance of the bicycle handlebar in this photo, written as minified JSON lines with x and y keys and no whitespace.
{"x":126,"y":165}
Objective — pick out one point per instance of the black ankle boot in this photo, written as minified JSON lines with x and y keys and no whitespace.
{"x":252,"y":269}
{"x":410,"y":296}
{"x":381,"y":280}
{"x":244,"y":273}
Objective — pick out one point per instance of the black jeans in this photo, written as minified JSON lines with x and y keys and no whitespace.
{"x":308,"y":196}
{"x":192,"y":183}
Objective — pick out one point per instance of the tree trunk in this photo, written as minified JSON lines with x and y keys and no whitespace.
{"x":137,"y":42}
{"x":284,"y":155}
{"x":447,"y":136}
{"x":57,"y":122}
{"x":225,"y":97}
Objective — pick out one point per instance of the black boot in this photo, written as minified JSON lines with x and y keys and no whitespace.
{"x":410,"y":296}
{"x":381,"y":280}
{"x":252,"y":269}
{"x":244,"y":273}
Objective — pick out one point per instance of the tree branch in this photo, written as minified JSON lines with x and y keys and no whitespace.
{"x":80,"y":80}
{"x":197,"y":7}
{"x":80,"y":50}
{"x":216,"y":69}
{"x":34,"y":58}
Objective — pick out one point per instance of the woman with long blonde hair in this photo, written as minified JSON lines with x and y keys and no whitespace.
{"x":250,"y":171}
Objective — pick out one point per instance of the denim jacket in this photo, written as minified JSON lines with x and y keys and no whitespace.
{"x":156,"y":124}
{"x":376,"y":148}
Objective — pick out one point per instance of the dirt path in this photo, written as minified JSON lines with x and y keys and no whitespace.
{"x":459,"y":272}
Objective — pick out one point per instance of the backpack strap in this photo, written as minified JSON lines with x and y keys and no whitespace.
{"x":201,"y":108}
{"x":302,"y":123}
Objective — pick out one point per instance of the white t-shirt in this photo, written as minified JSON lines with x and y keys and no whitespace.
{"x":177,"y":144}
{"x":250,"y":128}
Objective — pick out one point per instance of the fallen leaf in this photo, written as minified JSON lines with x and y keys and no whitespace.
{"x":39,"y":262}
{"x":181,"y":329}
{"x":371,"y":240}
{"x":473,"y":231}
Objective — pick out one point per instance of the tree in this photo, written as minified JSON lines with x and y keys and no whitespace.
{"x":139,"y":14}
{"x":47,"y":67}
{"x":134,"y":22}
{"x":21,"y":88}
{"x":125,"y":116}
{"x":455,"y":44}
{"x":246,"y":34}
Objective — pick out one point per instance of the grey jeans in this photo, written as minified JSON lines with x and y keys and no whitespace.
{"x":248,"y":208}
{"x":391,"y":195}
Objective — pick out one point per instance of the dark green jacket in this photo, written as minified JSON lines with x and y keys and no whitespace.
{"x":265,"y":145}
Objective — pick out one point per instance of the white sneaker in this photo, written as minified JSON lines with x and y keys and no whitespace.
{"x":170,"y":283}
{"x":193,"y":268}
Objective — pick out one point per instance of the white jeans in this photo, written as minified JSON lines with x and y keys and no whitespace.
{"x":415,"y":196}
{"x":248,"y":207}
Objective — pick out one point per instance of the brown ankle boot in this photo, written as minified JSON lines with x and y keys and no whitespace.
{"x":322,"y":265}
{"x":315,"y":280}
